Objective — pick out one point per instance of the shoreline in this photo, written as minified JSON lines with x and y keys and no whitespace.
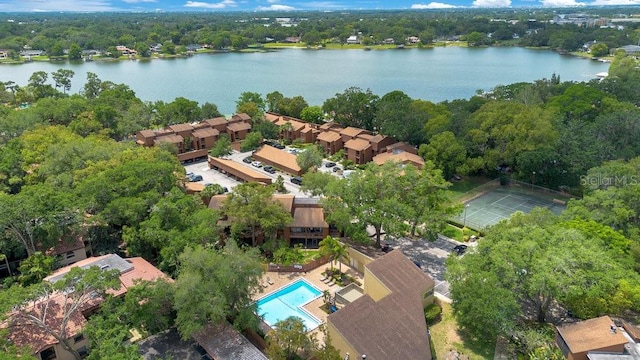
{"x":284,"y":46}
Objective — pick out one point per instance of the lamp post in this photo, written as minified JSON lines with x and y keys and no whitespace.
{"x":533,"y":179}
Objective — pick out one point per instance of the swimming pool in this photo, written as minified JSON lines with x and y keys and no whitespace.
{"x":288,"y":301}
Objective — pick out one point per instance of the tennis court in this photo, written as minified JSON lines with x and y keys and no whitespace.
{"x":497,"y":203}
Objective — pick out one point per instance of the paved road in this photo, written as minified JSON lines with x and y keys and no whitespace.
{"x":430,"y":255}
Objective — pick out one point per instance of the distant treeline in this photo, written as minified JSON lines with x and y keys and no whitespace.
{"x":238,"y":30}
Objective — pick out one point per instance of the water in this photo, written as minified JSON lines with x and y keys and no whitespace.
{"x":442,"y":73}
{"x":287,"y":302}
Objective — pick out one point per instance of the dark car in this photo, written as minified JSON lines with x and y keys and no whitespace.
{"x":330,"y":164}
{"x":247,"y":160}
{"x":270,"y":169}
{"x":296,"y":180}
{"x":194,"y":177}
{"x":278,"y":146}
{"x":460,"y":249}
{"x":336,"y":169}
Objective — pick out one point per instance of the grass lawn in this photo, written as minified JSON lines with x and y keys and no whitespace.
{"x":453,"y":232}
{"x":445,"y":337}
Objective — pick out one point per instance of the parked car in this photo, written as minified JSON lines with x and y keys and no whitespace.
{"x":247,"y":160}
{"x":296,"y":180}
{"x":460,"y":249}
{"x":270,"y":169}
{"x":194,"y":177}
{"x":257,"y":164}
{"x":330,"y":164}
{"x":336,"y":169}
{"x":278,"y":146}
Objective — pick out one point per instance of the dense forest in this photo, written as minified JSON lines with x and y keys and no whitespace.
{"x":56,"y":32}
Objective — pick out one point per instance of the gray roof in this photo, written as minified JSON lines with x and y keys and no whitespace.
{"x":111,"y":261}
{"x":223,"y":342}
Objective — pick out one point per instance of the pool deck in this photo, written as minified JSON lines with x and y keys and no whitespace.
{"x":282,"y":279}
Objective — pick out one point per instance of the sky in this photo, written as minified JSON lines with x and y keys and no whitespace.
{"x":280,"y":5}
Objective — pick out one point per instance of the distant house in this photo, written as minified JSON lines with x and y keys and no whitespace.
{"x":587,"y":340}
{"x":68,"y":251}
{"x":387,"y":321}
{"x":413,"y":39}
{"x":4,"y":54}
{"x":330,"y":141}
{"x":279,"y":159}
{"x":45,"y":346}
{"x":631,"y":49}
{"x":388,"y":41}
{"x":399,"y":155}
{"x":353,"y":39}
{"x":223,"y":342}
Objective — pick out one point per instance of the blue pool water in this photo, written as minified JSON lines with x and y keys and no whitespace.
{"x":287,"y":302}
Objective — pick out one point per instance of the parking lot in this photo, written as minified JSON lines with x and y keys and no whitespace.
{"x":430,"y":255}
{"x":210,"y":176}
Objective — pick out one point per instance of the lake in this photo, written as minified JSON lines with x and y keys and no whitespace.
{"x":438,"y":74}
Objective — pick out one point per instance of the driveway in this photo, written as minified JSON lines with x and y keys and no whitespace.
{"x":430,"y":255}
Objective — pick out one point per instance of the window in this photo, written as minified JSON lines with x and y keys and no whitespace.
{"x":48,"y":354}
{"x":70,"y":254}
{"x":78,"y":338}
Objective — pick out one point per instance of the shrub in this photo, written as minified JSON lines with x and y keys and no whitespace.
{"x":432,"y":313}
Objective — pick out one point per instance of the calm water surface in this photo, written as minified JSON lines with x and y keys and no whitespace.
{"x":443,"y":73}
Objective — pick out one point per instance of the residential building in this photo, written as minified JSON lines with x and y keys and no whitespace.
{"x":223,"y":342}
{"x":308,"y":227}
{"x":353,"y":39}
{"x":46,"y":346}
{"x":351,"y":133}
{"x":379,"y":143}
{"x":387,"y":321}
{"x":330,"y":141}
{"x":358,"y":150}
{"x":279,"y":159}
{"x":399,"y":155}
{"x":193,"y":141}
{"x":584,"y":339}
{"x":238,"y":171}
{"x":68,"y":251}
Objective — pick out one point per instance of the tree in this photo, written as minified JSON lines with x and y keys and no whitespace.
{"x":333,"y":248}
{"x":396,"y":117}
{"x":368,"y":198}
{"x":427,"y":196}
{"x":252,"y":208}
{"x":142,"y":49}
{"x":312,"y":114}
{"x":250,"y":97}
{"x":523,"y":267}
{"x":216,"y":285}
{"x":599,"y":49}
{"x":273,"y":99}
{"x":53,"y":307}
{"x":311,"y":38}
{"x":209,"y":110}
{"x":353,"y":107}
{"x":92,"y":87}
{"x":222,"y":147}
{"x":446,"y":152}
{"x":75,"y":52}
{"x":252,"y":141}
{"x":310,"y":158}
{"x":56,"y":51}
{"x":62,"y":78}
{"x":268,"y":129}
{"x":315,"y":182}
{"x":288,"y":340}
{"x":35,"y":268}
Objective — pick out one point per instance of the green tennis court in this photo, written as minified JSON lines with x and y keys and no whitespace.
{"x":496,"y":203}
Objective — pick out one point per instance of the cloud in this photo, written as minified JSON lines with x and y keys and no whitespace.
{"x":139,"y":1}
{"x":433,"y":5}
{"x":615,"y":2}
{"x":58,"y":5}
{"x":275,"y":8}
{"x":321,"y":5}
{"x":221,"y":5}
{"x":561,"y":3}
{"x":491,"y":3}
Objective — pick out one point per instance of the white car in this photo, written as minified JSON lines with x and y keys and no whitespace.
{"x":257,"y":164}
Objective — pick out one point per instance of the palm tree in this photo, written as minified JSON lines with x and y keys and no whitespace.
{"x":333,"y":248}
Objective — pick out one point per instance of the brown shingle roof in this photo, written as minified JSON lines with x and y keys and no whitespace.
{"x":147,"y":133}
{"x":180,"y":127}
{"x":271,"y":117}
{"x":65,"y":245}
{"x":239,"y":126}
{"x":170,"y":138}
{"x":329,"y":136}
{"x":206,"y":132}
{"x":279,"y":158}
{"x":216,"y":121}
{"x":394,"y":327}
{"x":286,"y":200}
{"x":352,"y":131}
{"x":402,"y":157}
{"x":592,"y":334}
{"x":309,"y":218}
{"x":217,"y":201}
{"x":241,"y":116}
{"x":367,"y":137}
{"x":377,"y":138}
{"x":357,"y":144}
